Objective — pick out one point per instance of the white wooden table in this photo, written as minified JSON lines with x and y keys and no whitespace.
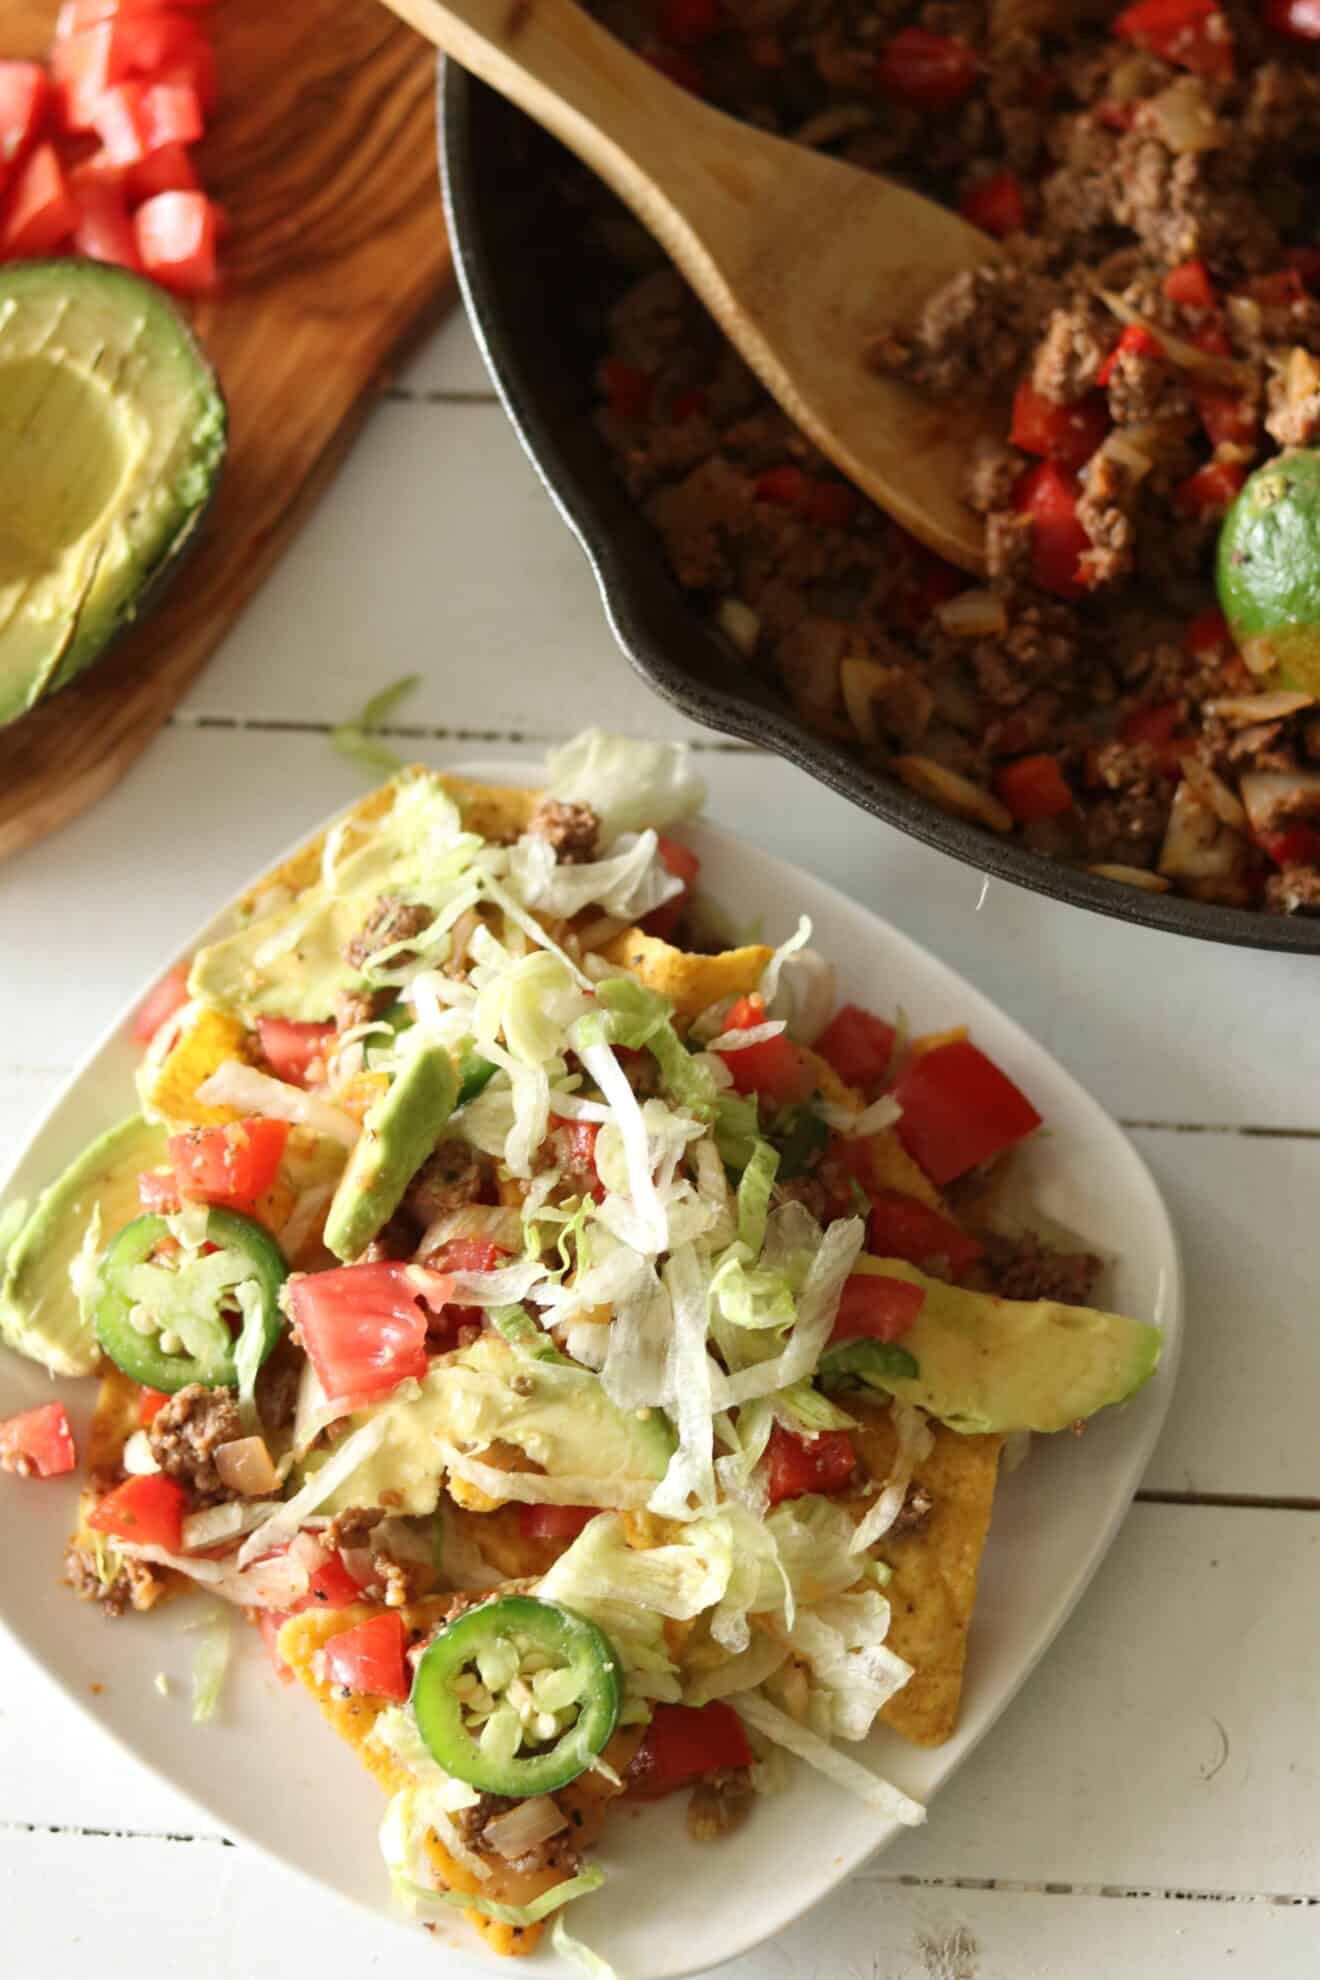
{"x":1151,"y":1804}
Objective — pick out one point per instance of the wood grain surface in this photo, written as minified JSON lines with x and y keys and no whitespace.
{"x":323,"y":156}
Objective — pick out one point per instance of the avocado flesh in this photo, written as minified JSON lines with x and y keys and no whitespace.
{"x":1007,"y":1364}
{"x":39,"y":1313}
{"x":1268,"y":570}
{"x":112,"y":434}
{"x":399,"y":1132}
{"x":558,"y":1415}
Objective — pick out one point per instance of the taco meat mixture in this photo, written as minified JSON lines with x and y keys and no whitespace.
{"x":1151,"y":332}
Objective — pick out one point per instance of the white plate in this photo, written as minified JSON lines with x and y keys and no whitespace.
{"x":270,"y":1771}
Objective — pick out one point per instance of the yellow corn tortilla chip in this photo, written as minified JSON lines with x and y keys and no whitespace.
{"x":691,"y":983}
{"x":211,"y":1039}
{"x":584,"y":1801}
{"x":933,"y":1590}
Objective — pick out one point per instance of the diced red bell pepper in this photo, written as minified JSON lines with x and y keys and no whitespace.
{"x":104,"y":231}
{"x":627,"y":390}
{"x":902,"y":1226}
{"x":1282,"y":289}
{"x":147,"y":1510}
{"x":467,"y":1254}
{"x":1297,"y":845}
{"x":931,"y":581}
{"x":38,"y":1443}
{"x":120,"y":121}
{"x":169,"y":995}
{"x":1193,"y":34}
{"x":363,"y":1326}
{"x":831,"y":504}
{"x":1211,"y":489}
{"x":369,"y":1658}
{"x":1158,"y":727}
{"x":291,"y":1047}
{"x":150,"y":1404}
{"x":874,"y":1307}
{"x":685,"y":1742}
{"x":1208,"y":633}
{"x":859,"y":1046}
{"x":329,"y":1586}
{"x":807,"y":1464}
{"x":158,"y":1192}
{"x":168,"y":170}
{"x":995,"y":204}
{"x":1228,"y":418}
{"x":1033,"y":787}
{"x":24,"y":96}
{"x":932,"y":71}
{"x":1189,"y":286}
{"x":1049,"y":495}
{"x":233,"y":1164}
{"x":959,"y":1109}
{"x":176,"y":239}
{"x":173,"y":113}
{"x":775,"y":1067}
{"x":682,"y":862}
{"x":1298,"y":19}
{"x":687,"y":21}
{"x":270,"y":1622}
{"x":1134,"y":338}
{"x":554,"y":1522}
{"x":41,"y":213}
{"x":1067,"y":434}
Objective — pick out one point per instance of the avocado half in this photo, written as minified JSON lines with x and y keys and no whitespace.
{"x":112,"y":438}
{"x":1268,"y":570}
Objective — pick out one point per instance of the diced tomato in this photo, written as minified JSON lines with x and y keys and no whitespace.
{"x":291,"y":1047}
{"x":1158,"y":727}
{"x":1033,"y":787}
{"x":1049,"y":495}
{"x":148,"y":1510}
{"x":831,"y":504}
{"x":150,"y":1404}
{"x":1134,"y":338}
{"x":1211,"y":489}
{"x":38,"y":1442}
{"x":104,"y":231}
{"x":686,"y":21}
{"x":163,"y":46}
{"x":1298,"y":19}
{"x":627,"y":390}
{"x":24,"y":96}
{"x":1194,"y":34}
{"x":1228,"y":417}
{"x":996,"y":204}
{"x":42,"y":212}
{"x":554,"y":1522}
{"x":120,"y":121}
{"x":678,"y":65}
{"x":363,"y":1326}
{"x":173,"y":113}
{"x":330,"y":1586}
{"x":858,"y":1045}
{"x":933,"y":71}
{"x":775,"y":1067}
{"x":874,"y":1307}
{"x":158,"y":1192}
{"x":684,"y":1742}
{"x":959,"y":1109}
{"x":1297,"y":845}
{"x":368,"y":1659}
{"x":80,"y":67}
{"x":469,"y":1254}
{"x":169,"y":169}
{"x":176,"y":238}
{"x":233,"y":1164}
{"x":902,"y":1226}
{"x":807,"y":1464}
{"x":168,"y":996}
{"x":1189,"y":286}
{"x":582,"y":1137}
{"x":682,"y":862}
{"x":1068,"y":434}
{"x":270,"y":1622}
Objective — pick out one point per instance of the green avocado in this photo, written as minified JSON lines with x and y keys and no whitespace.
{"x":554,"y":1411}
{"x":398,"y":1134}
{"x":1268,"y":570}
{"x":40,"y":1315}
{"x":112,"y":435}
{"x":1007,"y":1364}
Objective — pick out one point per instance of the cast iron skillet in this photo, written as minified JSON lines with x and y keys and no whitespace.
{"x":523,"y":271}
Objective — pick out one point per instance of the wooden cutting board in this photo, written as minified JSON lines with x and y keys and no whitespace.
{"x":323,"y":155}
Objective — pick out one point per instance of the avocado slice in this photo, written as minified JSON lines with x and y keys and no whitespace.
{"x":554,"y":1411}
{"x":112,"y":435}
{"x":986,"y":1363}
{"x":39,"y":1310}
{"x":397,"y":1135}
{"x":1268,"y":570}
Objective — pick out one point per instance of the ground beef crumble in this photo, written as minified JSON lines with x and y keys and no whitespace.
{"x":571,"y":829}
{"x":391,"y":920}
{"x":185,"y":1434}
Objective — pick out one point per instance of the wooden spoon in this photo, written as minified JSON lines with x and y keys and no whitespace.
{"x":803,"y":261}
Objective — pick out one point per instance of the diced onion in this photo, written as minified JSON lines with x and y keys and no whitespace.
{"x":1243,"y":710}
{"x":1183,"y":118}
{"x":740,"y":624}
{"x":862,"y":683}
{"x":341,"y":1464}
{"x":1189,"y":357}
{"x":1269,"y":794}
{"x":1212,"y":790}
{"x":533,"y":1488}
{"x":251,"y":1092}
{"x":1197,"y":845}
{"x":138,"y":1458}
{"x":1131,"y":876}
{"x":977,"y":614}
{"x":216,"y":1523}
{"x":953,"y":793}
{"x":245,"y":1466}
{"x":840,"y":120}
{"x":521,"y":1828}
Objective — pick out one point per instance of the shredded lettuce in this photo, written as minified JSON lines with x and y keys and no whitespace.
{"x":248,"y":1352}
{"x":210,"y":1663}
{"x":761,"y":1716}
{"x":355,"y":738}
{"x":564,"y":1943}
{"x":737,"y":1125}
{"x":630,"y":884}
{"x":853,"y":1672}
{"x":408,"y":1819}
{"x":628,"y":784}
{"x":758,"y":1179}
{"x":688,"y":1386}
{"x":678,"y":1580}
{"x":817,"y":1305}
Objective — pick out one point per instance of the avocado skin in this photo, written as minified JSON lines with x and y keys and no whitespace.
{"x":1268,"y":567}
{"x":39,"y":1314}
{"x":991,"y":1364}
{"x":400,"y":1131}
{"x":174,"y":500}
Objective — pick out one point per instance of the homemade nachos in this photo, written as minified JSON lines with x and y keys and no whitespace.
{"x":583,"y":1349}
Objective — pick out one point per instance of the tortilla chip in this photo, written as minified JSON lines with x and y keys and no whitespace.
{"x":893,"y":1168}
{"x":353,"y":1718}
{"x":933,"y":1590}
{"x":208,"y":1042}
{"x":691,"y":983}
